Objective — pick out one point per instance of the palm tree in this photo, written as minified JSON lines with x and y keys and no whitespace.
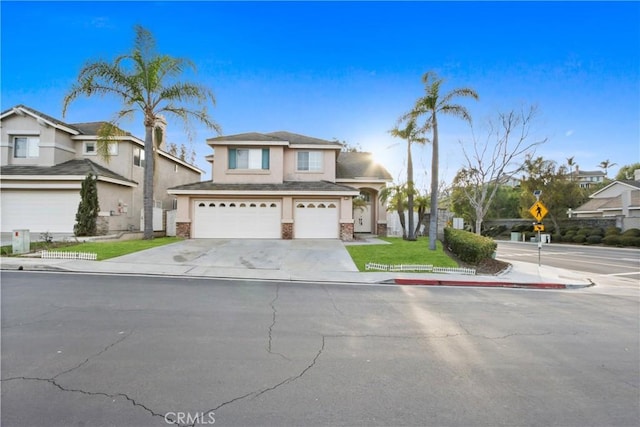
{"x":431,"y":104}
{"x":571,"y":164}
{"x":412,"y":134}
{"x":145,"y":82}
{"x":606,"y":164}
{"x":396,"y":198}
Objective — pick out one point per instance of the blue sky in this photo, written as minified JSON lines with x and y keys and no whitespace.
{"x":348,"y":70}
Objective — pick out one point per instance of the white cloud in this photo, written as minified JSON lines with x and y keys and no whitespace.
{"x":569,"y":132}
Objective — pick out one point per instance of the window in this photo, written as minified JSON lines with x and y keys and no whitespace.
{"x":89,"y":147}
{"x":249,"y":158}
{"x":310,"y":161}
{"x":138,"y":157}
{"x":26,"y":147}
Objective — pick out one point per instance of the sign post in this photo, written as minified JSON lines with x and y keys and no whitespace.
{"x":539,"y":211}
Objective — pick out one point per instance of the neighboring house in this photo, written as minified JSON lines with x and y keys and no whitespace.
{"x":44,"y":161}
{"x":587,"y":179}
{"x":619,"y":199}
{"x":282,"y":185}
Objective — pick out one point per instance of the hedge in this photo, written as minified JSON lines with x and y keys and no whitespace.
{"x":469,"y":247}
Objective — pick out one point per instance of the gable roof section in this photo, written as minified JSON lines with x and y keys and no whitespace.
{"x":632,"y":185}
{"x":41,"y":118}
{"x":609,"y":203}
{"x":76,"y":167}
{"x":276,"y":138}
{"x":287,"y":187}
{"x":359,"y":165}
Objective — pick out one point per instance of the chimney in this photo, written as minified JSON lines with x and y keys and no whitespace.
{"x":636,"y":175}
{"x":625,"y":199}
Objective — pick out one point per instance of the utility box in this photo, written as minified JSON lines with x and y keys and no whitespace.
{"x":21,"y":243}
{"x":515,"y":236}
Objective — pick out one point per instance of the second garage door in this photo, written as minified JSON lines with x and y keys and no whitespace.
{"x":237,"y":219}
{"x":316,"y":220}
{"x":40,"y":210}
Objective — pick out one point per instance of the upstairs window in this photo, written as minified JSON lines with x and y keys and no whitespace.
{"x":249,"y":158}
{"x":310,"y":161}
{"x":91,"y":148}
{"x":26,"y":147}
{"x":138,"y":157}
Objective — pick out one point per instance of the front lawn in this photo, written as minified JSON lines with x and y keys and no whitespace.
{"x":400,"y":251}
{"x":105,"y":249}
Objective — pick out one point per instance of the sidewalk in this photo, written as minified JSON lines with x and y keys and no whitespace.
{"x":520,"y":275}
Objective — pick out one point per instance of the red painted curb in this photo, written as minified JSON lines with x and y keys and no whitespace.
{"x":425,"y":282}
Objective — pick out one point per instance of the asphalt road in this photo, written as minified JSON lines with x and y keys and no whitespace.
{"x":600,"y":260}
{"x":89,"y":350}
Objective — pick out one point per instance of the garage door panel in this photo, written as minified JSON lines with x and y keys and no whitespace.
{"x":237,"y":219}
{"x":316,"y":220}
{"x":40,"y":211}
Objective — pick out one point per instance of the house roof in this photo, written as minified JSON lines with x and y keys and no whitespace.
{"x":21,"y":109}
{"x":631,"y":184}
{"x":286,"y":186}
{"x":275,"y":137}
{"x":76,"y":167}
{"x":92,"y":128}
{"x":352,"y":165}
{"x":609,"y":203}
{"x":580,"y":173}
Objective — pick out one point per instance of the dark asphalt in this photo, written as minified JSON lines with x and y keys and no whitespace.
{"x":86,"y":350}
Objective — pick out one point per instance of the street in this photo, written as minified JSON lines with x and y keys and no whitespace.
{"x":102,"y":350}
{"x":600,"y":260}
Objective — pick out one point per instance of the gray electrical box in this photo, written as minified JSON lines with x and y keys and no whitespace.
{"x":21,"y":242}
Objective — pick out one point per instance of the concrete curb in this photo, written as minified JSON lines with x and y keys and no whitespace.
{"x":479,"y":284}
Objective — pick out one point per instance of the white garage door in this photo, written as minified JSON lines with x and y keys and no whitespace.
{"x":316,"y":220}
{"x":40,"y":211}
{"x":237,"y":219}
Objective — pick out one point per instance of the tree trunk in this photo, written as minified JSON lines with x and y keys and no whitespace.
{"x":433,"y":222}
{"x":402,"y":223}
{"x":410,"y":229}
{"x":478,"y":226}
{"x":148,"y":180}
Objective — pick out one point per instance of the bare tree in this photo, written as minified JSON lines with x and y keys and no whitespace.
{"x":496,"y":158}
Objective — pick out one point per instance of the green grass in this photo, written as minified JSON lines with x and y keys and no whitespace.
{"x":400,"y":252}
{"x":107,"y":249}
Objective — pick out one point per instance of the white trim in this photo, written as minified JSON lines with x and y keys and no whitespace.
{"x":4,"y":178}
{"x":364,"y":180}
{"x":19,"y":132}
{"x":304,"y":193}
{"x":129,"y":138}
{"x":315,"y":147}
{"x":593,"y":196}
{"x":36,"y":186}
{"x":58,"y":147}
{"x":180,"y":161}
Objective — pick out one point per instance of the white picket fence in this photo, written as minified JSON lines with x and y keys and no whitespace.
{"x":88,"y":256}
{"x":420,"y":267}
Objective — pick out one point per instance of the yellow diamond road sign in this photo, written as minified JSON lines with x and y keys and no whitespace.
{"x":538,"y":210}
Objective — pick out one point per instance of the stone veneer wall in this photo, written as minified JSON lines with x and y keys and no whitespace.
{"x":287,"y":230}
{"x":346,"y":232}
{"x":183,"y":229}
{"x":102,"y":226}
{"x":382,"y":230}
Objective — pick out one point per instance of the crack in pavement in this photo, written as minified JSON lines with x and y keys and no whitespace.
{"x":53,"y":382}
{"x":273,"y":323}
{"x":260,"y":392}
{"x":94,"y":356}
{"x":332,"y":300}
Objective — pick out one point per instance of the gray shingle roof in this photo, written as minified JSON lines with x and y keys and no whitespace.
{"x":281,"y":136}
{"x":304,"y":186}
{"x":71,"y":167}
{"x":352,"y":165}
{"x":38,"y":113}
{"x":92,"y":128}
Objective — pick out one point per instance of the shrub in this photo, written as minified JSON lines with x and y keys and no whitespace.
{"x":612,"y":240}
{"x":630,"y":240}
{"x":579,"y":238}
{"x":586,"y":231}
{"x":632,"y":232}
{"x":598,"y":231}
{"x":612,"y":231}
{"x":469,"y":247}
{"x":557,"y":237}
{"x":594,"y":239}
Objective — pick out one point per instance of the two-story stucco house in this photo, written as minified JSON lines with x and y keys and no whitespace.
{"x":44,"y":161}
{"x":282,"y":185}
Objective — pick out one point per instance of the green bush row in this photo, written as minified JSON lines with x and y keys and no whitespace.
{"x":469,"y":247}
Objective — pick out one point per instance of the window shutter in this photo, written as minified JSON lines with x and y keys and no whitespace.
{"x":232,"y":158}
{"x":265,"y":158}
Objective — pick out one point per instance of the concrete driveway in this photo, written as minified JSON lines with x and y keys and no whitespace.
{"x":254,"y":254}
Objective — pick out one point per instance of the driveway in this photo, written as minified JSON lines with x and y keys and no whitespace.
{"x":255,"y":254}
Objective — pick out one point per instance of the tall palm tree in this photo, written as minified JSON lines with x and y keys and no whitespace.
{"x":146,"y":82}
{"x":606,"y":164}
{"x":432,"y":104}
{"x":412,"y":133}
